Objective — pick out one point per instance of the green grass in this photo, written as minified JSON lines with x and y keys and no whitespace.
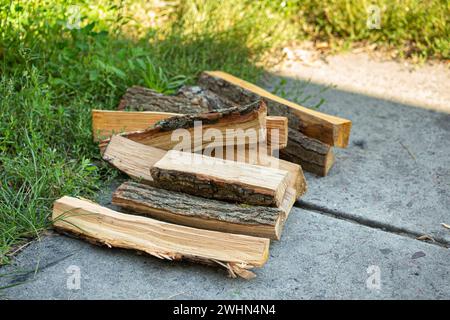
{"x":52,"y":75}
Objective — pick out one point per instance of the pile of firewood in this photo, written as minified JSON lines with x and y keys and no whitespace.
{"x":195,"y":195}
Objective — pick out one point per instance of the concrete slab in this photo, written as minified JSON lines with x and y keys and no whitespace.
{"x":396,"y":170}
{"x":373,"y":75}
{"x":319,"y":257}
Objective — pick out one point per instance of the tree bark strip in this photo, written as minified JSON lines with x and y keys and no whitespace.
{"x":188,"y":100}
{"x":311,"y":154}
{"x":199,"y":212}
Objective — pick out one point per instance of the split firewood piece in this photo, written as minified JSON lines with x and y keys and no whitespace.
{"x":329,"y":129}
{"x":314,"y":156}
{"x":106,"y":123}
{"x":188,"y":100}
{"x":132,"y":158}
{"x":199,"y":212}
{"x":221,"y":179}
{"x":238,"y":119}
{"x":160,"y":239}
{"x":136,"y":159}
{"x":277,"y":132}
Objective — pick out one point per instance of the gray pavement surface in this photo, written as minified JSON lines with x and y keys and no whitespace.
{"x":395,"y":172}
{"x":391,"y":185}
{"x":318,"y":258}
{"x":370,"y":74}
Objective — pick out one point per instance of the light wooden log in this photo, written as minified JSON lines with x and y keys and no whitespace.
{"x":277,"y":132}
{"x":106,"y":123}
{"x":199,"y":212}
{"x":135,"y":160}
{"x":86,"y":219}
{"x":250,"y":118}
{"x":329,"y":129}
{"x":221,"y":179}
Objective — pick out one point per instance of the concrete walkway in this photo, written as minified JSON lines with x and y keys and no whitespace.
{"x":352,"y":236}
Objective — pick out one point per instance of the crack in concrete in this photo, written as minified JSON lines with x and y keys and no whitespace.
{"x":338,"y":214}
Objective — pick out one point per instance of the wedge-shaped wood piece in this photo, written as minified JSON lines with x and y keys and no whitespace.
{"x":86,"y":219}
{"x":105,"y":123}
{"x":199,"y":212}
{"x":329,"y":129}
{"x":132,"y":158}
{"x":250,"y":117}
{"x":216,"y":178}
{"x":313,"y":155}
{"x":277,"y":132}
{"x":136,"y":159}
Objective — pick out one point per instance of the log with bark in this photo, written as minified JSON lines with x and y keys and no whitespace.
{"x":314,"y":156}
{"x":197,"y":99}
{"x":136,"y":160}
{"x":331,"y":130}
{"x":249,"y":119}
{"x":199,"y":212}
{"x":106,"y":123}
{"x":188,"y":100}
{"x":221,"y":179}
{"x":85,"y":219}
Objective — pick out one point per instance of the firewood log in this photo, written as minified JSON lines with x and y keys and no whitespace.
{"x":100,"y":225}
{"x":249,"y":119}
{"x":199,"y":212}
{"x":221,"y":179}
{"x":331,"y":130}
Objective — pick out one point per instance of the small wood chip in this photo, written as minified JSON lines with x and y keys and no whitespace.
{"x":425,"y":237}
{"x":446,"y":226}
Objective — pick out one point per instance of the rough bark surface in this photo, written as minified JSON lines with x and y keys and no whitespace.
{"x":188,"y":100}
{"x":237,"y":94}
{"x":178,"y":207}
{"x":193,"y":184}
{"x":192,"y":206}
{"x":313,"y":155}
{"x":210,"y":118}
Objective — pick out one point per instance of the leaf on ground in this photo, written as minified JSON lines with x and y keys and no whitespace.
{"x":446,"y":226}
